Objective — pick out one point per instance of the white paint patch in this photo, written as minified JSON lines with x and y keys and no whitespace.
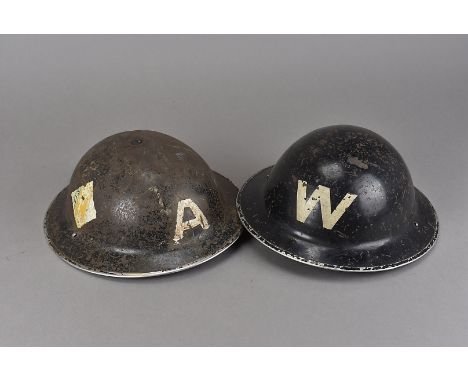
{"x":83,"y":204}
{"x":305,"y":206}
{"x":181,"y":225}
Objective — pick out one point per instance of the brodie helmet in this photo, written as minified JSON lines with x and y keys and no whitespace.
{"x":142,"y":203}
{"x":340,"y":198}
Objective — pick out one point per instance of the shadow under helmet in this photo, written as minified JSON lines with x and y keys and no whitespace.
{"x":141,"y":203}
{"x":340,"y":198}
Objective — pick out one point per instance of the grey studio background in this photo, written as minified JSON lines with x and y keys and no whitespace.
{"x":239,"y":101}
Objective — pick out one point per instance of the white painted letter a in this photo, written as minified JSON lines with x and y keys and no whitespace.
{"x":198,"y":220}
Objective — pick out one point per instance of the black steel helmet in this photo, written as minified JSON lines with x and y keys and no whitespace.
{"x":340,"y":198}
{"x":142,"y":203}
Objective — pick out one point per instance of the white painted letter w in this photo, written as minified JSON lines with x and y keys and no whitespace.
{"x":322,"y":194}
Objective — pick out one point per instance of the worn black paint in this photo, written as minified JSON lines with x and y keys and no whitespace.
{"x":389,"y":224}
{"x":139,"y":177}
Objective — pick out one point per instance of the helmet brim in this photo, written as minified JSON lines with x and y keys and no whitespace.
{"x":370,"y":257}
{"x":90,"y":256}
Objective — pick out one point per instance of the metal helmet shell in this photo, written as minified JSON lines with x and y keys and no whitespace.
{"x":340,"y":198}
{"x":142,"y":203}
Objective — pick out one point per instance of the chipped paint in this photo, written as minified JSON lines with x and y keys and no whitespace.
{"x":321,"y":194}
{"x":83,"y":204}
{"x":355,"y":161}
{"x":155,"y":190}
